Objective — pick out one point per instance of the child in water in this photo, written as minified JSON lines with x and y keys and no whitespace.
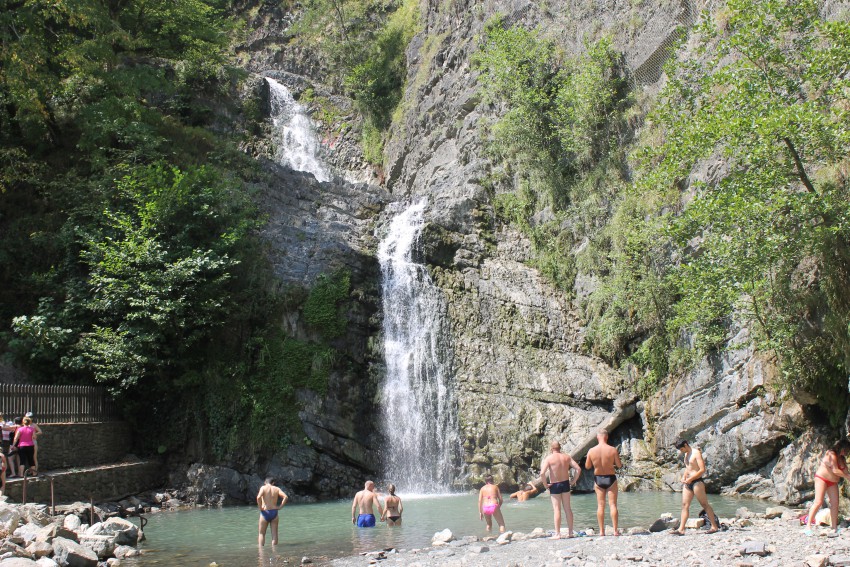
{"x":490,"y":504}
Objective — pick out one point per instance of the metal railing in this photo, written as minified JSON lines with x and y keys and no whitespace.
{"x":57,"y":404}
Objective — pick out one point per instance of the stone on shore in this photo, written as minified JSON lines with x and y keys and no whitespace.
{"x":754,"y":548}
{"x":659,"y":525}
{"x":8,"y":546}
{"x":442,"y":537}
{"x":839,"y":560}
{"x":505,"y":538}
{"x":68,"y":553}
{"x":72,"y":522}
{"x":18,"y":562}
{"x":775,"y":512}
{"x":102,"y":545}
{"x":817,"y":560}
{"x":9,"y":518}
{"x":126,"y":532}
{"x":51,"y":531}
{"x":46,"y":562}
{"x":39,"y":549}
{"x":123,"y":551}
{"x":479,"y":548}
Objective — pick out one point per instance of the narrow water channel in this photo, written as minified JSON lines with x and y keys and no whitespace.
{"x":228,"y":536}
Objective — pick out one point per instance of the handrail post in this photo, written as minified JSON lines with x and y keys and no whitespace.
{"x":52,"y":499}
{"x":24,"y":489}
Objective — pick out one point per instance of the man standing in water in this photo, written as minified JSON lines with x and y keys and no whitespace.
{"x":365,"y":500}
{"x":490,"y":504}
{"x":693,"y":485}
{"x":603,"y":458}
{"x":559,"y":466}
{"x":267,"y":500}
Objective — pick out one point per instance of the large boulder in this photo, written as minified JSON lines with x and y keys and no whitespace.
{"x":68,"y":553}
{"x":72,"y":522}
{"x":39,"y":549}
{"x":125,"y":531}
{"x":9,"y":518}
{"x":46,"y":562}
{"x":102,"y":545}
{"x":28,"y":532}
{"x":51,"y":531}
{"x":34,"y":514}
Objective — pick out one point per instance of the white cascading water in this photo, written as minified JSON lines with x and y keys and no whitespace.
{"x":419,"y":413}
{"x":298,"y":146}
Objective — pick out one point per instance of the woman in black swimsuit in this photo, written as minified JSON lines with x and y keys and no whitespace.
{"x":392,"y":508}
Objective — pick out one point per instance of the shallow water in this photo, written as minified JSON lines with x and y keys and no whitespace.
{"x":228,"y":536}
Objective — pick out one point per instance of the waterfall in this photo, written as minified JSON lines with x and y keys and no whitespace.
{"x":419,"y":414}
{"x":297,"y":144}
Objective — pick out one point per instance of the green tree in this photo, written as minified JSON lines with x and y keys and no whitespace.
{"x":764,"y":241}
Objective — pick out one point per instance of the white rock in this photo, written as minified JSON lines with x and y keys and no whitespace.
{"x":694,"y":523}
{"x":817,"y":560}
{"x":504,"y":538}
{"x":444,"y":536}
{"x":46,"y":562}
{"x":72,"y":522}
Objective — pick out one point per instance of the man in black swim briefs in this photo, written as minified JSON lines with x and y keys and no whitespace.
{"x":559,"y":467}
{"x":693,"y":485}
{"x":603,"y":459}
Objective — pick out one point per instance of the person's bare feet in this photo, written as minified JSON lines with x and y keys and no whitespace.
{"x":712,"y":531}
{"x":501,"y":529}
{"x":676,"y":532}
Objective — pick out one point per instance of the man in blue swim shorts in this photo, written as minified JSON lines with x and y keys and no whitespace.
{"x":364,"y":506}
{"x":267,"y":500}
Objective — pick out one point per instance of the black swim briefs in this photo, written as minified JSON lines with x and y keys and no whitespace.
{"x":690,"y":485}
{"x":559,"y":487}
{"x":605,"y":481}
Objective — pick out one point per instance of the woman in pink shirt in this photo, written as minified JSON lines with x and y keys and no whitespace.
{"x":25,"y":440}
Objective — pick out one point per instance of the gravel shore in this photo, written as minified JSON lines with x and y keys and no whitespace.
{"x":748,"y":541}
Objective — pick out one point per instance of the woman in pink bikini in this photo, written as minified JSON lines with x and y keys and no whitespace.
{"x":833,"y":467}
{"x":490,"y":504}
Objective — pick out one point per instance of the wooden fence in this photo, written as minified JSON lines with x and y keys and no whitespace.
{"x":57,"y":404}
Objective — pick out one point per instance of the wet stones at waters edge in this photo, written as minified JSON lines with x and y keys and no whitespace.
{"x":754,"y":541}
{"x":29,"y":535}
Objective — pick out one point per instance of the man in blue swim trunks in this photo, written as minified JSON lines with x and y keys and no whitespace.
{"x":364,"y":503}
{"x":560,"y":467}
{"x":267,"y":501}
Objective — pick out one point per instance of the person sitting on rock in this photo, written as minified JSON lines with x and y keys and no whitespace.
{"x":693,"y":485}
{"x":490,"y":504}
{"x":267,"y":500}
{"x":832,"y":468}
{"x":528,"y":491}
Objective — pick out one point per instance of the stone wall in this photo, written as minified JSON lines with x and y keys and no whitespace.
{"x":109,"y":482}
{"x":66,"y":445}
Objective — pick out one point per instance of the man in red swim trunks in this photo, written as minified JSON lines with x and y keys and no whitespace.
{"x":267,"y":501}
{"x":560,"y":466}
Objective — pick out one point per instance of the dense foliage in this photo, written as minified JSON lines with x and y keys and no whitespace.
{"x":127,"y":236}
{"x":737,"y":216}
{"x":560,"y":142}
{"x":366,"y":50}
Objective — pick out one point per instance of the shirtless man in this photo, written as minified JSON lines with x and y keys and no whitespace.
{"x":559,"y":466}
{"x":365,"y":501}
{"x":490,"y":504}
{"x":603,"y":458}
{"x":267,"y":500}
{"x":693,"y":485}
{"x":528,"y":491}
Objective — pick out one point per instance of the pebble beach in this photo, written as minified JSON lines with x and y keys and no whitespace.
{"x":772,"y":539}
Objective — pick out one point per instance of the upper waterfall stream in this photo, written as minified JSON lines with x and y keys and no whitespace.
{"x":297,"y":144}
{"x":418,"y":407}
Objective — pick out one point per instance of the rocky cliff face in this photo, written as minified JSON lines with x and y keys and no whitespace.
{"x":522,"y":372}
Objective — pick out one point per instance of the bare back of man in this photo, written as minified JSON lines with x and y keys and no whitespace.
{"x":365,"y":503}
{"x":558,"y":466}
{"x":267,"y":500}
{"x":604,"y":459}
